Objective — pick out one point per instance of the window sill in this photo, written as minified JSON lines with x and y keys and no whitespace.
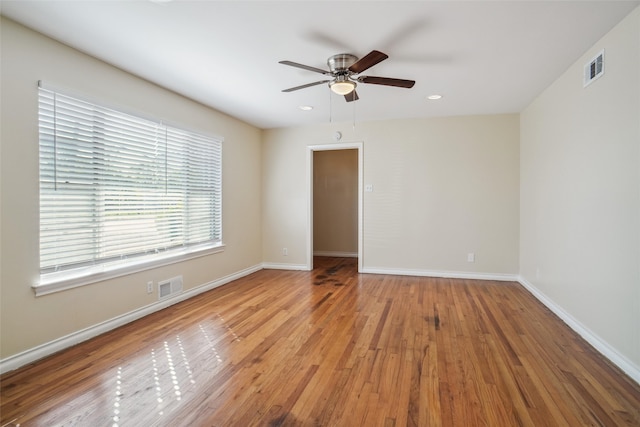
{"x":62,"y":281}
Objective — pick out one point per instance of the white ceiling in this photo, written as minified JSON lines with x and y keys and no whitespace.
{"x":484,"y":57}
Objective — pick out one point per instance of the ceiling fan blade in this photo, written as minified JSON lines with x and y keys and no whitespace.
{"x":387,"y":81}
{"x":351,"y":96}
{"x":305,"y":67}
{"x":291,"y":89}
{"x":371,"y":59}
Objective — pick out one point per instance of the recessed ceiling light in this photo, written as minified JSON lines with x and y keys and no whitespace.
{"x":434,"y":97}
{"x":306,"y":107}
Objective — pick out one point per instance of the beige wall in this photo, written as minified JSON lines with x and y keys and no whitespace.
{"x":27,"y":321}
{"x":580,"y":195}
{"x":335,"y":202}
{"x":441,"y":188}
{"x":553,"y":194}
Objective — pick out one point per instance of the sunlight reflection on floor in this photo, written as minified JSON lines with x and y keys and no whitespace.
{"x":168,"y":371}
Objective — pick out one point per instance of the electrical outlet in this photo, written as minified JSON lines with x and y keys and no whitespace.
{"x":471,"y":257}
{"x":285,"y":251}
{"x":150,"y":287}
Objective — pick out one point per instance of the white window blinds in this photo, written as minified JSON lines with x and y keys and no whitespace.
{"x":116,"y":188}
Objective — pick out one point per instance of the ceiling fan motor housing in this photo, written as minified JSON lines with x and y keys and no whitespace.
{"x":341,"y":62}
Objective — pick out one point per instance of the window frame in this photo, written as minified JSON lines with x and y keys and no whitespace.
{"x":50,"y":282}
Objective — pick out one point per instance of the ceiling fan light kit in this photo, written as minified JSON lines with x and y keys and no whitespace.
{"x":343,"y":67}
{"x":342,"y":85}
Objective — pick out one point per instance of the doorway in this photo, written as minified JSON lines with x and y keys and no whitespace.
{"x":334,"y":188}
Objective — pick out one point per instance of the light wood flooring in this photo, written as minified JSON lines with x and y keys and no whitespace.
{"x":331,"y":348}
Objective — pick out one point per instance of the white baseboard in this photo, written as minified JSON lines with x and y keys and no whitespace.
{"x":444,"y":274}
{"x":336,"y":254}
{"x":36,"y":353}
{"x":282,"y":266}
{"x":598,"y":343}
{"x":16,"y":361}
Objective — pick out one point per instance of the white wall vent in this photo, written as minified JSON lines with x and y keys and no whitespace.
{"x":594,"y":69}
{"x":169,"y":287}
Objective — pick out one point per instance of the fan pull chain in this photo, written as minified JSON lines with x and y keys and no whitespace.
{"x":354,"y":115}
{"x":330,"y":109}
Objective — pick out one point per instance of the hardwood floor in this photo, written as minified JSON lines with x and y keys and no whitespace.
{"x":331,"y":348}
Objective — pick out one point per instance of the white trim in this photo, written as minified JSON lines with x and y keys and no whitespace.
{"x":16,"y":361}
{"x":281,"y":266}
{"x":80,"y":277}
{"x":598,"y":343}
{"x":336,"y":254}
{"x":444,"y":274}
{"x":43,"y":350}
{"x":330,"y":147}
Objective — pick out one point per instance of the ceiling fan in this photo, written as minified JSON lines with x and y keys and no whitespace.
{"x":343,"y":68}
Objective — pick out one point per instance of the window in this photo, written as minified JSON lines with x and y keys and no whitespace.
{"x":118,"y":190}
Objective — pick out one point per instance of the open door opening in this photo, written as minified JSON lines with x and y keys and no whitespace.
{"x":335,"y":202}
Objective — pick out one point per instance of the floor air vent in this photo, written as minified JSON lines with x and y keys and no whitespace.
{"x":594,"y":69}
{"x":169,"y":287}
